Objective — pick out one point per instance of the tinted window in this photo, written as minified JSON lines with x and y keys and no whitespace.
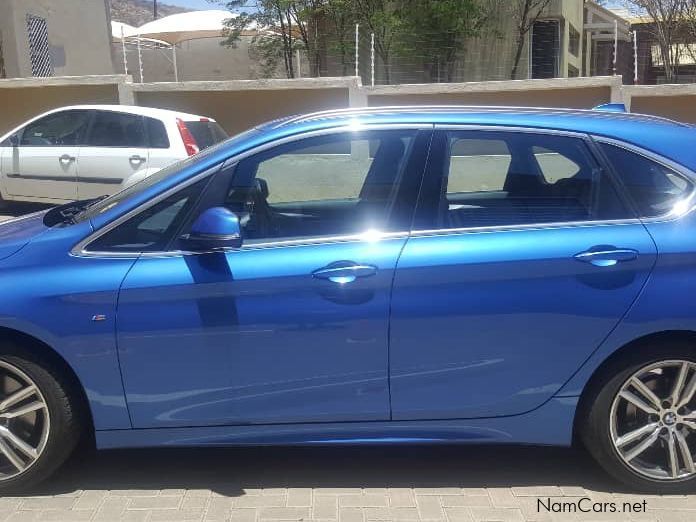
{"x":65,"y":128}
{"x":154,"y":227}
{"x":206,"y":133}
{"x":156,"y":134}
{"x":653,"y":187}
{"x":499,"y":178}
{"x":114,"y":129}
{"x":341,"y":184}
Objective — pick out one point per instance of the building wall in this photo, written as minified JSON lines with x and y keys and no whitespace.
{"x":78,"y":35}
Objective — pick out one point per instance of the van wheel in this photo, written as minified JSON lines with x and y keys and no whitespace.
{"x":641,"y":427}
{"x":39,"y":424}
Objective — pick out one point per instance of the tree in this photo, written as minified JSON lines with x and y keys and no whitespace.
{"x":440,"y":30}
{"x":276,"y":36}
{"x":667,"y":23}
{"x":525,"y":13}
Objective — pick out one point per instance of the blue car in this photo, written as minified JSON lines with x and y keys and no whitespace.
{"x":393,"y":275}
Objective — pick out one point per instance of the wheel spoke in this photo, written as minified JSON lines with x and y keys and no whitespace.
{"x":18,"y":443}
{"x":685,"y":452}
{"x":634,"y":435}
{"x":647,"y":392}
{"x":673,"y":461}
{"x":11,"y":456}
{"x":688,"y":392}
{"x":16,"y":397}
{"x":641,"y":447}
{"x":33,"y":406}
{"x":679,"y":383}
{"x":638,"y":402}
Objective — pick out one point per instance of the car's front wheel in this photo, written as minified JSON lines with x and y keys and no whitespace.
{"x":39,"y":424}
{"x":641,"y":427}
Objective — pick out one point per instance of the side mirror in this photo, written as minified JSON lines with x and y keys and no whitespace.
{"x":216,"y":228}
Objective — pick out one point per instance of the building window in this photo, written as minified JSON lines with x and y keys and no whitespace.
{"x":39,"y":53}
{"x":573,"y":40}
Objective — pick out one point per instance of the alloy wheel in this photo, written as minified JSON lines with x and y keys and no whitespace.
{"x":24,"y":422}
{"x":653,"y":421}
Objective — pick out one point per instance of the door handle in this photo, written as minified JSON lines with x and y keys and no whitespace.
{"x":343,"y":272}
{"x":606,"y":255}
{"x":135,"y":158}
{"x":66,"y":158}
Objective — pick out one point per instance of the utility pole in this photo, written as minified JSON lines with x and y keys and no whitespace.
{"x":154,"y":9}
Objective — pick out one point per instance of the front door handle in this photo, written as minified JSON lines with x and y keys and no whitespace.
{"x":343,"y":272}
{"x":135,"y":158}
{"x":606,"y":255}
{"x":66,"y":158}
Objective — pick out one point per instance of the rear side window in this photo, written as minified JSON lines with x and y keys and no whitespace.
{"x":65,"y":128}
{"x":653,"y":187}
{"x":206,"y":133}
{"x":156,"y":134}
{"x":115,"y":129}
{"x":492,"y":178}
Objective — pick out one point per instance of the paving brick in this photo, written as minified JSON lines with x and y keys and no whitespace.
{"x":351,"y":515}
{"x":284,"y":513}
{"x":497,"y":514}
{"x":325,"y":507}
{"x":458,"y":514}
{"x":66,"y":515}
{"x":155,"y":503}
{"x":429,"y":507}
{"x":259,"y":501}
{"x":452,"y":501}
{"x":299,"y":497}
{"x":169,"y":515}
{"x":362,"y":501}
{"x":401,"y":498}
{"x":47,"y":503}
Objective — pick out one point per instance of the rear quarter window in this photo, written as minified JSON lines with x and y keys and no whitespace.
{"x":653,"y":187}
{"x":206,"y":133}
{"x":156,"y":134}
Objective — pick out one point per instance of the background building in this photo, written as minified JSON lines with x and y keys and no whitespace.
{"x":54,"y":38}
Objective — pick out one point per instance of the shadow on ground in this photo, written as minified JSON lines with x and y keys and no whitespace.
{"x":229,"y":471}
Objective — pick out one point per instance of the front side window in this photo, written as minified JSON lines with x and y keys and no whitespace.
{"x":115,"y":129}
{"x":59,"y":129}
{"x":506,"y":178}
{"x":337,"y":184}
{"x":653,"y":187}
{"x":153,"y":228}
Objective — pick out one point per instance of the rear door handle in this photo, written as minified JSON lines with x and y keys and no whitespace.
{"x":135,"y":158}
{"x":343,"y":272}
{"x":66,"y":158}
{"x":606,"y":255}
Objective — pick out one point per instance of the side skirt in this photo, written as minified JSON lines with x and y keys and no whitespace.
{"x":550,"y":424}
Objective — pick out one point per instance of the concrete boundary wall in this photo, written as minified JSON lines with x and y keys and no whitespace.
{"x":240,"y":104}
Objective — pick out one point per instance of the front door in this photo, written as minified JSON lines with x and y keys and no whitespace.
{"x":523,"y":259}
{"x":116,"y":149}
{"x":43,"y":166}
{"x":293,"y":326}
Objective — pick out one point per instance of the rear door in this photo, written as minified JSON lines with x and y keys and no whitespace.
{"x":116,"y":149}
{"x":43,"y":166}
{"x":523,"y":258}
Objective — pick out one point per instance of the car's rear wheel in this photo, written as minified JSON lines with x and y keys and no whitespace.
{"x":642,"y":425}
{"x":39,"y":424}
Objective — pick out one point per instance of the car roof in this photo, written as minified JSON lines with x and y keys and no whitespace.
{"x":659,"y":135}
{"x":134,"y":109}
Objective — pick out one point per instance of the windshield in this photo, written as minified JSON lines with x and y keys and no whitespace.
{"x":113,"y":201}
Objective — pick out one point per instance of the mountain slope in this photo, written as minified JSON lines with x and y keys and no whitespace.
{"x":139,"y":12}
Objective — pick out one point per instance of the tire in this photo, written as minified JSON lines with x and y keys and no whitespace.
{"x":57,"y":425}
{"x":610,"y":423}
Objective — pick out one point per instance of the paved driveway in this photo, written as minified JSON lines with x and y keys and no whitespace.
{"x":438,"y":484}
{"x":338,"y":484}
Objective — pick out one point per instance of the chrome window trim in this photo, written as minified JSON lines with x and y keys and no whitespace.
{"x":687,"y":174}
{"x":80,"y":249}
{"x":523,"y":227}
{"x":508,"y":128}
